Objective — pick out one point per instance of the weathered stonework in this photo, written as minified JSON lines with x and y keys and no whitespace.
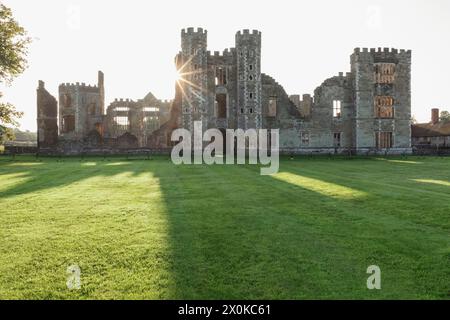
{"x":342,"y":116}
{"x":47,"y":118}
{"x":366,"y":110}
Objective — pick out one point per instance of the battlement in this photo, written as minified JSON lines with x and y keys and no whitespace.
{"x":192,"y":31}
{"x":80,"y":86}
{"x":381,"y":50}
{"x":226,"y":53}
{"x":341,"y":75}
{"x":121,"y":100}
{"x":246,"y":32}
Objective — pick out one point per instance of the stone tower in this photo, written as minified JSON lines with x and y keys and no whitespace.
{"x":47,"y":118}
{"x":81,"y":109}
{"x":194,"y":73}
{"x":382,"y":93}
{"x":249,"y":97}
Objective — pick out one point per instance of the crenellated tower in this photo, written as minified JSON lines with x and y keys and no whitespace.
{"x":194,"y":81}
{"x":249,"y":95}
{"x":81,"y":109}
{"x":382,"y":94}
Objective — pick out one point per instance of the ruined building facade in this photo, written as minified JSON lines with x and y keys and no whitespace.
{"x":79,"y":122}
{"x":365,"y":110}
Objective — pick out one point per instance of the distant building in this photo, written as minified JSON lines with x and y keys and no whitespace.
{"x":434,"y":134}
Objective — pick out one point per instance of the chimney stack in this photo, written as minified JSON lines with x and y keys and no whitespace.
{"x":434,"y":115}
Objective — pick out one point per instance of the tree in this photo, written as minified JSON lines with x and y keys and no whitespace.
{"x":13,"y":51}
{"x":445,"y":116}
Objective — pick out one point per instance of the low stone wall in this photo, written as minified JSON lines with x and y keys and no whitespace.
{"x":345,"y":151}
{"x":166,"y":151}
{"x":431,"y":150}
{"x":104,"y":152}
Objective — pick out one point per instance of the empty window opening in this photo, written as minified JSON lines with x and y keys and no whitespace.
{"x":305,"y":138}
{"x":151,"y":109}
{"x":250,"y":95}
{"x":121,"y":109}
{"x":66,"y":100}
{"x":121,"y":121}
{"x":99,"y":128}
{"x":151,"y":123}
{"x":251,"y":110}
{"x":250,"y":77}
{"x":250,"y":67}
{"x":384,"y":107}
{"x":221,"y":76}
{"x":384,"y":73}
{"x":221,"y":102}
{"x":68,"y":123}
{"x":272,"y":112}
{"x":242,"y":110}
{"x":336,"y":108}
{"x":92,"y":109}
{"x":337,"y":139}
{"x":383,"y":140}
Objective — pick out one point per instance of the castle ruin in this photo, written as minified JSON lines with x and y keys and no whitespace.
{"x":365,"y":110}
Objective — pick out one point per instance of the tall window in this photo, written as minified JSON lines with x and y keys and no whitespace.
{"x":151,"y":123}
{"x":221,"y":76}
{"x":68,"y":123}
{"x":272,"y":112}
{"x":305,"y":138}
{"x":337,"y":139}
{"x":221,"y":105}
{"x":383,"y":140}
{"x":384,"y":73}
{"x":92,"y":109}
{"x":336,"y":108}
{"x":121,"y":122}
{"x":384,"y":107}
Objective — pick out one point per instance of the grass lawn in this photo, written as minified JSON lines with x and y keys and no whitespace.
{"x":150,"y":229}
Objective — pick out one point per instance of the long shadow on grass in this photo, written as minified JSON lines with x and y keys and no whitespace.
{"x":411,"y":190}
{"x":39,"y":176}
{"x":237,"y":235}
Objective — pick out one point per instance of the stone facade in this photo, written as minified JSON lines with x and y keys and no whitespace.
{"x":84,"y":124}
{"x":47,"y":118}
{"x":366,"y":110}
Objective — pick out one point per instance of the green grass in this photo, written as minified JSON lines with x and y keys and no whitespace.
{"x":150,"y":229}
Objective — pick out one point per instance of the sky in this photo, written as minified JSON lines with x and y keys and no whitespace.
{"x":134,"y":43}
